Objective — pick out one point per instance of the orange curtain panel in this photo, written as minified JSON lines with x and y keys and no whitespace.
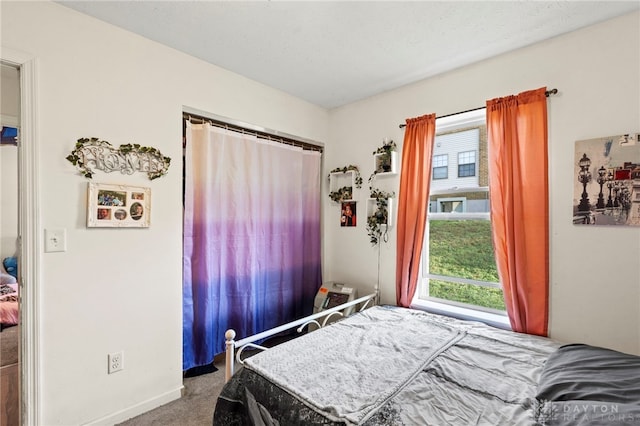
{"x":413,"y":201}
{"x":519,"y":196}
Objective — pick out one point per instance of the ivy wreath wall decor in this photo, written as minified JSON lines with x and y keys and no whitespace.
{"x":93,"y":153}
{"x":377,"y":221}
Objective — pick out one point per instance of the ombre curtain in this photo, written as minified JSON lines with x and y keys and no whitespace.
{"x":519,"y":195}
{"x":413,"y":203}
{"x":251,"y":237}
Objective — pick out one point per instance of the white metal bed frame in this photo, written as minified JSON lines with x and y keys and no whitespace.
{"x":236,"y":347}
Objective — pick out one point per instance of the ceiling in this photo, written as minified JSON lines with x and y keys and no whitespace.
{"x":333,"y":53}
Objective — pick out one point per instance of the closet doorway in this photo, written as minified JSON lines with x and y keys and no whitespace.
{"x":10,"y":336}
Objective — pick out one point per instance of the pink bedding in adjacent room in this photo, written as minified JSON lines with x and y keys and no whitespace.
{"x":9,"y":308}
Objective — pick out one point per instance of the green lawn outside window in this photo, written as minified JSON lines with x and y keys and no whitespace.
{"x":463,"y":249}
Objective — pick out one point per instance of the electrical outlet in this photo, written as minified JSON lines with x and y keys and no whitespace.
{"x":115,"y":362}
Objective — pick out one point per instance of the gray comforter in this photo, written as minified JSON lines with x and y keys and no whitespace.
{"x":587,"y":385}
{"x":391,"y":366}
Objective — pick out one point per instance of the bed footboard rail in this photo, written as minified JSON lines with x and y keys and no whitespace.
{"x":234,"y":348}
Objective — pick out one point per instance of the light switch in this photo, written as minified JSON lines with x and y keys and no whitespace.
{"x":55,"y":240}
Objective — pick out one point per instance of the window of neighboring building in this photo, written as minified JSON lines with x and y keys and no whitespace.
{"x":450,"y":205}
{"x":458,"y":265}
{"x":467,"y":164}
{"x":440,"y":166}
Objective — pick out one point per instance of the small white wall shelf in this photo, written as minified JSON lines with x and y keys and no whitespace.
{"x":339,"y":180}
{"x":372,"y":208}
{"x":386,"y":165}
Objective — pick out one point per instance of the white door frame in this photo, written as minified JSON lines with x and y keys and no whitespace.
{"x":29,"y":236}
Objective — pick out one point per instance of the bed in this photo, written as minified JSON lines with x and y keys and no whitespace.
{"x":9,"y":305}
{"x":394,"y":366}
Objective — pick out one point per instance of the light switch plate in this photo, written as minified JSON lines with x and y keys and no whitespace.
{"x":55,"y":240}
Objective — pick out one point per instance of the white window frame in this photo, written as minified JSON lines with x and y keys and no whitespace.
{"x":458,"y":310}
{"x":446,"y":166}
{"x":474,"y":162}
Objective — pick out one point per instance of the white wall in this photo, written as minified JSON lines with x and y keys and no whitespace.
{"x":120,"y":289}
{"x":595,"y":271}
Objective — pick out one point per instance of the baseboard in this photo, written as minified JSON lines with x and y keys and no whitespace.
{"x":136,"y":410}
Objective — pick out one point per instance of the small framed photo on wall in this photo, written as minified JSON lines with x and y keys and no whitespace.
{"x":348,"y":214}
{"x":118,"y":206}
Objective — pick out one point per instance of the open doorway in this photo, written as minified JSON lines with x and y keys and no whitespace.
{"x":10,"y":336}
{"x":29,"y":236}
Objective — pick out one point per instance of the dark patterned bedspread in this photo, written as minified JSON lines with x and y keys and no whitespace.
{"x":391,"y":366}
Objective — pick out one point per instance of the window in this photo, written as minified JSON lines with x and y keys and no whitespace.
{"x":440,"y":166}
{"x":450,"y":205}
{"x":467,"y":164}
{"x":458,"y":266}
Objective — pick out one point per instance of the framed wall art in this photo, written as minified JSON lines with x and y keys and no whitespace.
{"x":348,"y":213}
{"x":607,"y":181}
{"x":118,"y":206}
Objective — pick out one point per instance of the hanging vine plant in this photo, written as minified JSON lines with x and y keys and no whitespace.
{"x":346,"y":192}
{"x":386,"y":148}
{"x":346,"y":169}
{"x":93,"y":153}
{"x":385,"y":155}
{"x":377,"y":222}
{"x":342,"y":194}
{"x":383,"y":162}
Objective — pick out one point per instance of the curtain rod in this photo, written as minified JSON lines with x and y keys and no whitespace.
{"x":199,"y":119}
{"x":547,"y":94}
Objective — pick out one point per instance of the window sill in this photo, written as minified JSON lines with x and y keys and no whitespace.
{"x":494,"y":320}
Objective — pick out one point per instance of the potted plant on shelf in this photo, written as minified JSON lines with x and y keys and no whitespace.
{"x":346,"y":192}
{"x":377,"y":221}
{"x":383,"y":165}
